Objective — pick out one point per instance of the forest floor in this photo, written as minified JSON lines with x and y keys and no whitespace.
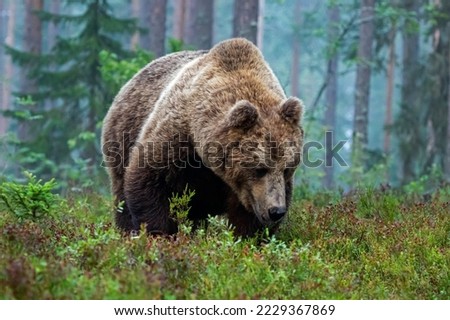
{"x":370,"y":245}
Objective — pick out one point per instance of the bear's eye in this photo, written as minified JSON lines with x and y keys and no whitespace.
{"x":261,"y":172}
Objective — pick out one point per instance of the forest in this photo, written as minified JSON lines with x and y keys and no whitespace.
{"x":370,"y":217}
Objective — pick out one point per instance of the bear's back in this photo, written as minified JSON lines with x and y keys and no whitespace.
{"x":136,"y":100}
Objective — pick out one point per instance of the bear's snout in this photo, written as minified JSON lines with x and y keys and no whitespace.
{"x":277,"y":213}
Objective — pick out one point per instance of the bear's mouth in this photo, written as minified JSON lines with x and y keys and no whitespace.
{"x":253,"y":206}
{"x":266,"y":221}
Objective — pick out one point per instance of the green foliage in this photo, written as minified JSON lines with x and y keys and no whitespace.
{"x":356,"y":176}
{"x":60,"y":119}
{"x":371,"y":245}
{"x":176,"y":45}
{"x":23,"y":155}
{"x":116,"y":72}
{"x":85,"y":136}
{"x":434,"y":14}
{"x":31,"y":200}
{"x":179,"y":205}
{"x":427,"y":183}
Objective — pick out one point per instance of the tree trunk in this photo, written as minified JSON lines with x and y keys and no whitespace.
{"x":245,"y":21}
{"x":362,"y":87}
{"x":260,"y":35}
{"x":447,"y":150}
{"x":2,"y":63}
{"x":52,"y":31}
{"x":439,"y":106}
{"x":331,"y":93}
{"x":153,"y":16}
{"x":409,"y":99}
{"x":135,"y":13}
{"x":32,"y":45}
{"x":295,"y":75}
{"x":389,"y":90}
{"x":198,"y":31}
{"x":32,"y":40}
{"x":179,"y":17}
{"x":8,"y":65}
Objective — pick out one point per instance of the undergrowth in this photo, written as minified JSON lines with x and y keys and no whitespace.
{"x":371,"y":244}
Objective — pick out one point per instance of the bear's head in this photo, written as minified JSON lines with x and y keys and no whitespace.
{"x":256,"y":151}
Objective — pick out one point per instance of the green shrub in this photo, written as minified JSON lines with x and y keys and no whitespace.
{"x":179,"y":205}
{"x":31,"y":200}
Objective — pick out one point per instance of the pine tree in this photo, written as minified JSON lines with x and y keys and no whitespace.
{"x":409,"y":122}
{"x":2,"y":71}
{"x":32,"y":44}
{"x":362,"y":85}
{"x":331,"y":90}
{"x":436,"y":81}
{"x":8,"y":20}
{"x":69,"y":77}
{"x":447,"y":148}
{"x":389,"y":89}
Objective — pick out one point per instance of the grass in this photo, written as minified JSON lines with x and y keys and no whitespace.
{"x":370,"y":245}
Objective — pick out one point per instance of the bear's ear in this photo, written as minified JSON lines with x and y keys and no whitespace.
{"x":292,"y":110}
{"x":243,"y":115}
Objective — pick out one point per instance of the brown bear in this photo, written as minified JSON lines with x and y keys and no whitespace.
{"x":216,"y":121}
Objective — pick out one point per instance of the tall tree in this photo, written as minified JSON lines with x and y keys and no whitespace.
{"x":52,"y":28}
{"x":8,"y":66}
{"x":245,"y":21}
{"x":153,"y":18}
{"x":436,"y":93}
{"x":198,"y":30}
{"x":70,"y":76}
{"x":2,"y":62}
{"x":331,"y":90}
{"x":362,"y":87}
{"x":33,"y":46}
{"x":135,"y":13}
{"x":447,"y":151}
{"x":295,"y":72}
{"x":32,"y":42}
{"x":389,"y":89}
{"x":260,"y":27}
{"x":179,"y":17}
{"x":410,"y":121}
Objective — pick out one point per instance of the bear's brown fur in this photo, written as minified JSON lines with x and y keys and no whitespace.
{"x":216,"y":121}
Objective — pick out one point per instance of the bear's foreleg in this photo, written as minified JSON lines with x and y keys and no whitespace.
{"x":147,"y":199}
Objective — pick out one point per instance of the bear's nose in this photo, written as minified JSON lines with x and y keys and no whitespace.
{"x":276,"y":213}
